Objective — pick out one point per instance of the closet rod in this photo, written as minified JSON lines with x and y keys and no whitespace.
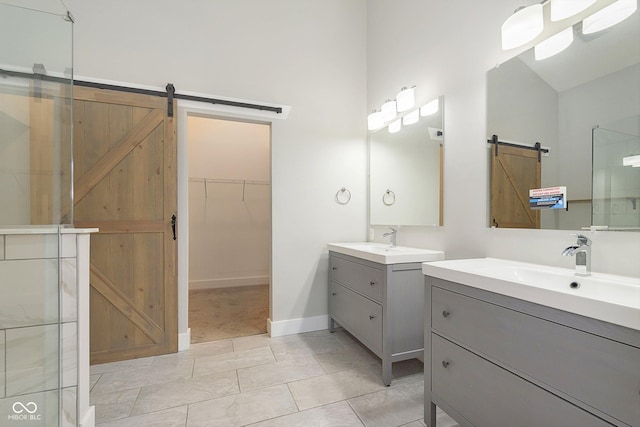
{"x":170,"y":92}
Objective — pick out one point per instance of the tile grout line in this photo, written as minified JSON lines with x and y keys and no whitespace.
{"x":355,"y":412}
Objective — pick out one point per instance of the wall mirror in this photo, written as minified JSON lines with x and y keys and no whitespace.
{"x":405,"y":172}
{"x":583,"y":105}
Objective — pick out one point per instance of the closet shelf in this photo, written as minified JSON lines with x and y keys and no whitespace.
{"x":244,"y":183}
{"x":229,"y":181}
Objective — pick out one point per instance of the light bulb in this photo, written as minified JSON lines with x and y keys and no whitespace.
{"x":395,"y":126}
{"x":389,"y":111}
{"x":374,"y":120}
{"x":554,"y":44}
{"x":411,"y":118}
{"x":522,"y":27}
{"x":429,"y":108}
{"x":405,"y":99}
{"x":609,"y":16}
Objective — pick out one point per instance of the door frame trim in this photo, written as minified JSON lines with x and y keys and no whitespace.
{"x":202,"y":109}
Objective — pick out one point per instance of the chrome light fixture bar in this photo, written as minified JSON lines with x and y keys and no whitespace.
{"x":562,"y":9}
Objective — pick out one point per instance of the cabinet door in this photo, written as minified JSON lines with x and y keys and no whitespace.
{"x":359,"y":277}
{"x":489,"y":396}
{"x":359,"y":315}
{"x":599,"y":372}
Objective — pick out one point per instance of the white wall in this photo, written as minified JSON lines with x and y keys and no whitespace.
{"x":22,"y":46}
{"x":230,"y":216}
{"x":310,"y":55}
{"x":446,"y":48}
{"x":416,"y":190}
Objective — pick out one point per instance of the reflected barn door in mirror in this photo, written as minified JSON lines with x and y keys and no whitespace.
{"x":514,"y":171}
{"x":558,"y":101}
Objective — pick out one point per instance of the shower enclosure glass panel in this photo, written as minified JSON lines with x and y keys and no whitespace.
{"x":35,"y":117}
{"x":616,"y":180}
{"x":37,"y":383}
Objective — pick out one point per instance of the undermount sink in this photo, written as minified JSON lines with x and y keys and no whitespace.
{"x":385,"y":254}
{"x":611,"y":298}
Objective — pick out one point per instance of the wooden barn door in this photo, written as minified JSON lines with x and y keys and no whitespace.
{"x":125,"y":185}
{"x":514,"y":171}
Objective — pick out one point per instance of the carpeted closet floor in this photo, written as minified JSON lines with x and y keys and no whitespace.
{"x":218,"y":314}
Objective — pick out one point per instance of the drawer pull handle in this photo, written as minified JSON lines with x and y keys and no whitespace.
{"x":372,"y":283}
{"x":371,"y":317}
{"x":334,"y":294}
{"x":334,"y":268}
{"x":445,"y":364}
{"x":445,"y":313}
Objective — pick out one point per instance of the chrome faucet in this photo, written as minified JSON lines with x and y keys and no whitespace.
{"x":582,"y":251}
{"x":393,"y":234}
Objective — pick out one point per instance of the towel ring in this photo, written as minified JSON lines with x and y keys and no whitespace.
{"x":389,"y":198}
{"x":343,"y":196}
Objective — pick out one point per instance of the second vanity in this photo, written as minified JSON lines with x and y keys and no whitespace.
{"x":376,"y":292}
{"x":511,"y":343}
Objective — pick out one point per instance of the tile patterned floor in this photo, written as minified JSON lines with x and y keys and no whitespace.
{"x":225,"y":313}
{"x":313,"y":379}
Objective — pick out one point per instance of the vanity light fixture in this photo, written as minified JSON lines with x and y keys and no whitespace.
{"x":554,"y":44}
{"x":389,"y":111}
{"x":609,"y":16}
{"x":411,"y":118}
{"x":395,"y":126}
{"x":522,"y":27}
{"x":405,"y":99}
{"x":633,"y":161}
{"x":561,"y":9}
{"x":430,"y":108}
{"x":374,"y":120}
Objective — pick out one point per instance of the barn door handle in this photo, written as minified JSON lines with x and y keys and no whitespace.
{"x":173,"y":226}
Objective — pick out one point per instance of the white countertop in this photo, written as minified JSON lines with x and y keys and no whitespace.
{"x":44,"y":229}
{"x":611,"y":298}
{"x":383,"y":253}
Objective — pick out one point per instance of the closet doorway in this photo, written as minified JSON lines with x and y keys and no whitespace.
{"x":229,"y":227}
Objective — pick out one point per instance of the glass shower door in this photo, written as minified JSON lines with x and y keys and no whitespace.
{"x":37,"y":383}
{"x":616,"y":180}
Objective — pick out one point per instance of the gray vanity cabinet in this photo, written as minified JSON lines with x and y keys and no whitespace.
{"x":500,"y":361}
{"x":381,"y":305}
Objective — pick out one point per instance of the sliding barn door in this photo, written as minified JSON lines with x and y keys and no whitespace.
{"x":125,"y":185}
{"x":514,"y":171}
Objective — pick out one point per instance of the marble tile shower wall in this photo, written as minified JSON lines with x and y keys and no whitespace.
{"x":38,"y":326}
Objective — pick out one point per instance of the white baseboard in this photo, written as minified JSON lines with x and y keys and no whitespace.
{"x":184,"y":340}
{"x":297,"y":326}
{"x":89,"y":418}
{"x":229,"y":282}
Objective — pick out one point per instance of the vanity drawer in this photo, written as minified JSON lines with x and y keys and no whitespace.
{"x":361,"y":278}
{"x":459,"y":377}
{"x":599,"y":372}
{"x":360,"y":316}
